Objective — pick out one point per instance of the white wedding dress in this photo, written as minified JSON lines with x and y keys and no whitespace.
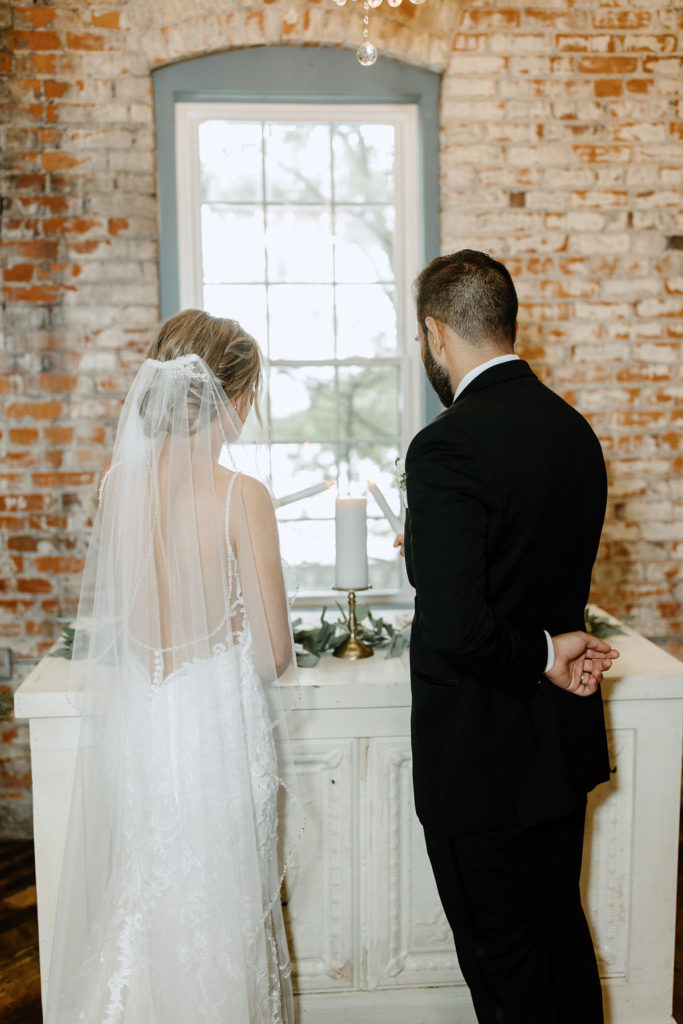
{"x":169,"y":909}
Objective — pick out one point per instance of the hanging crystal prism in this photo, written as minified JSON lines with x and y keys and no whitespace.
{"x":367,"y":52}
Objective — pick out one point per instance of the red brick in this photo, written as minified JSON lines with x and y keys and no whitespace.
{"x":33,"y":585}
{"x":58,"y":161}
{"x":38,"y":250}
{"x":41,"y":293}
{"x":34,"y":410}
{"x":621,"y":19}
{"x":55,"y":90}
{"x":63,"y":479}
{"x":117,"y":224}
{"x":23,"y":86}
{"x":12,"y":524}
{"x":38,"y":17}
{"x":640,"y":86}
{"x":85,"y":41}
{"x":26,"y":435}
{"x":51,"y":382}
{"x":68,"y":225}
{"x":19,"y":272}
{"x":34,"y":41}
{"x":58,"y":435}
{"x":58,"y":564}
{"x":608,"y":65}
{"x":43,"y":63}
{"x":608,"y":87}
{"x":47,"y":523}
{"x":27,"y":502}
{"x":22,"y":543}
{"x":34,"y":182}
{"x":109,"y":19}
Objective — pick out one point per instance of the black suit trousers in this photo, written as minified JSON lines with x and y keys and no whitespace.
{"x":512,"y":898}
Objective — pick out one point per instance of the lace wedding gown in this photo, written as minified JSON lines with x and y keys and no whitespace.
{"x":169,"y":908}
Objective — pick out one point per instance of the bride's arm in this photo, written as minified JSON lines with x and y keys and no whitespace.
{"x":268,"y":587}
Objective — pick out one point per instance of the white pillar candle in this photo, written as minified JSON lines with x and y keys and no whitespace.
{"x":394,"y":521}
{"x":351,"y":535}
{"x":307,"y":492}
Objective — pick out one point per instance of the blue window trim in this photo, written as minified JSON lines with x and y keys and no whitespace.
{"x":292,"y":74}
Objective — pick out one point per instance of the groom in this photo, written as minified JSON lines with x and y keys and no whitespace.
{"x":506,"y":496}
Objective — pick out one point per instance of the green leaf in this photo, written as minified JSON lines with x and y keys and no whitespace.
{"x":305,"y":659}
{"x":6,"y":703}
{"x":600,"y":627}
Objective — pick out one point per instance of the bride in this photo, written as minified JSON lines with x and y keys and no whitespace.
{"x":169,"y":908}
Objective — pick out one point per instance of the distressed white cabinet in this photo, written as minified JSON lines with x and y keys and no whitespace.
{"x":369,"y":939}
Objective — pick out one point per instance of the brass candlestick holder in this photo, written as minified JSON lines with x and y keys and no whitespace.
{"x":353,"y":648}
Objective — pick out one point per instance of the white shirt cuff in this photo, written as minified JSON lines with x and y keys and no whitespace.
{"x":551,"y":652}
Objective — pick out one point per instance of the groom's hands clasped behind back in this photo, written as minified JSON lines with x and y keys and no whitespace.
{"x":580,"y":659}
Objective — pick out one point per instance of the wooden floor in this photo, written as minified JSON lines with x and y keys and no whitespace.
{"x":19,"y":970}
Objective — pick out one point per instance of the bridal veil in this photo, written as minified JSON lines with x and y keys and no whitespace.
{"x":169,"y":908}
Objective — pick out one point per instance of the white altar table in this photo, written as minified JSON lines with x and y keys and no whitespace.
{"x":369,"y":940}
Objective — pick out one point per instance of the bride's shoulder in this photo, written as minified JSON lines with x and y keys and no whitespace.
{"x":254,"y":492}
{"x":251,"y":490}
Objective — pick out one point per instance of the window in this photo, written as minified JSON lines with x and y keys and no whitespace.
{"x":302,"y":220}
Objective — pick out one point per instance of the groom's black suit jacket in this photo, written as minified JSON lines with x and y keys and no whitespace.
{"x":506,"y":495}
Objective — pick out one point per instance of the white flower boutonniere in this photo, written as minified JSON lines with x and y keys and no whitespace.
{"x":400,"y":473}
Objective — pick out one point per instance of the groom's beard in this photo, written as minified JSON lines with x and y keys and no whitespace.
{"x":438,"y":378}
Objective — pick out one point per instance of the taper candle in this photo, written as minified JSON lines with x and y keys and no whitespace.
{"x":351,"y":535}
{"x":394,"y":522}
{"x":307,"y":492}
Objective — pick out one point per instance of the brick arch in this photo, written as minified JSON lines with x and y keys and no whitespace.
{"x":418,"y":35}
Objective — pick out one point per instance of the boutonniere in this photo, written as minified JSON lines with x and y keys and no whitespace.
{"x":400,"y":473}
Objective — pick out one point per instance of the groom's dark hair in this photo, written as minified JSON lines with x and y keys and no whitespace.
{"x":472,"y":293}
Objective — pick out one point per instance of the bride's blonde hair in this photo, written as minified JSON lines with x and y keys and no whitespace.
{"x":224,"y":345}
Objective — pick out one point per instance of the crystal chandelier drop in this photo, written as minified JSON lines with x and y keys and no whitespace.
{"x":367,"y":51}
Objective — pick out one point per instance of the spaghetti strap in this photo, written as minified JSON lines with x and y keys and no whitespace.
{"x":100,"y":489}
{"x":227,"y":510}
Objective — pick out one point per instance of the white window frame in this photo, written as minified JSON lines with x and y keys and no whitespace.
{"x":404,"y":118}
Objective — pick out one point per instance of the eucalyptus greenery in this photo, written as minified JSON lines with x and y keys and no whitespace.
{"x":601,"y":627}
{"x":310,"y":644}
{"x":375,"y":632}
{"x":67,"y":645}
{"x":6,"y":703}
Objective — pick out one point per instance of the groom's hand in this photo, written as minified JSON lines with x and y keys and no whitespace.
{"x":399,"y":543}
{"x":580,"y":660}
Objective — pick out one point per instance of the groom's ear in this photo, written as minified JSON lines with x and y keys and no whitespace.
{"x":435,"y":335}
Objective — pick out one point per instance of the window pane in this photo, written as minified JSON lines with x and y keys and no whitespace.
{"x":366,"y":320}
{"x":364,"y":163}
{"x":297,"y":466}
{"x":233,"y":243}
{"x":309,"y":546}
{"x":383,"y":557}
{"x":301,"y":321}
{"x":298,"y":162}
{"x":230,"y":161}
{"x":369,"y":402}
{"x":299,"y":240}
{"x":243,"y":302}
{"x":302,"y":406}
{"x":364,"y":248}
{"x":362,"y":461}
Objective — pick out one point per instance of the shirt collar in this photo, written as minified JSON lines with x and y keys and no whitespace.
{"x":469,"y":377}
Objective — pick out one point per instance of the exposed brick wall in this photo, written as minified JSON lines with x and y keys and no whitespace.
{"x":561,"y":154}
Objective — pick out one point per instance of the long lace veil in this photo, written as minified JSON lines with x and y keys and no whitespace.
{"x":169,"y":907}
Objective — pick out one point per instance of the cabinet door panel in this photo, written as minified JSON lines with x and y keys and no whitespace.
{"x":410,"y":940}
{"x":320,"y":889}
